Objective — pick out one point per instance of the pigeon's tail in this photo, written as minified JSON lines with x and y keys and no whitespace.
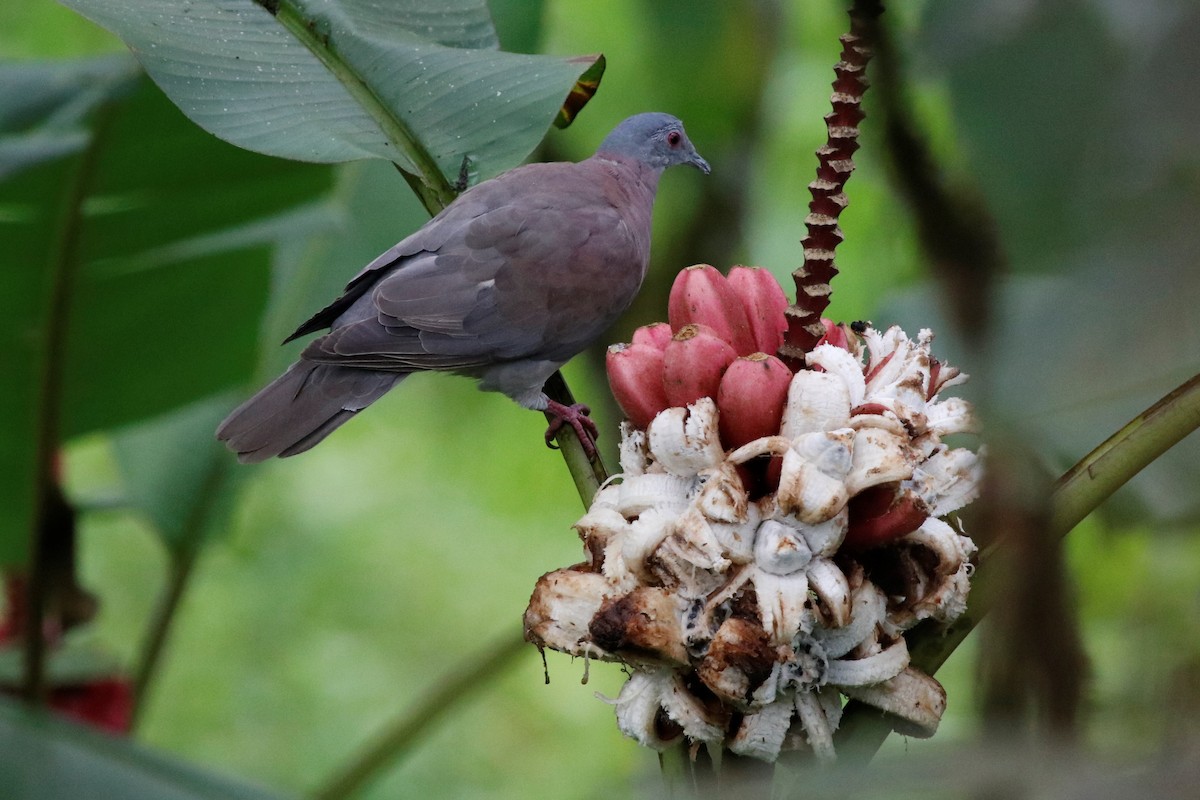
{"x":300,"y":408}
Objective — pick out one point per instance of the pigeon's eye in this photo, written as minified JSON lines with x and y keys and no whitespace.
{"x":674,"y":138}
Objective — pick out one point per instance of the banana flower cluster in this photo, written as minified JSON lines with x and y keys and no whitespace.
{"x":771,"y":535}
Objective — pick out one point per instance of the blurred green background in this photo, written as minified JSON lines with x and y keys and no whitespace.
{"x":336,"y":589}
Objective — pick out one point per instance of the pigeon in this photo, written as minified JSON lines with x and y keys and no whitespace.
{"x":513,"y":278}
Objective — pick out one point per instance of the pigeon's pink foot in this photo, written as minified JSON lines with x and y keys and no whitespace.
{"x":576,"y":416}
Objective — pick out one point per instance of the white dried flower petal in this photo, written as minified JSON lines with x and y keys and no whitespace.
{"x":817,"y":401}
{"x":690,"y":557}
{"x":606,"y":496}
{"x":644,"y":536}
{"x":879,"y":457}
{"x":831,"y":704}
{"x":945,"y":599}
{"x":561,"y":609}
{"x":737,"y":539}
{"x":948,"y":480}
{"x":638,"y":704}
{"x":721,"y":496}
{"x":845,"y":365}
{"x":686,"y":440}
{"x":599,"y":525}
{"x":952,"y":415}
{"x":867,"y":610}
{"x":615,"y":570}
{"x":780,"y":549}
{"x":915,"y":698}
{"x":783,"y":605}
{"x":826,"y":537}
{"x":645,"y":693}
{"x":948,"y":601}
{"x":829,"y":451}
{"x":761,"y":734}
{"x":663,"y":491}
{"x":829,"y":583}
{"x":817,"y":728}
{"x":635,"y":454}
{"x":887,"y":421}
{"x":811,"y":481}
{"x":951,"y":548}
{"x":893,"y":358}
{"x":870,"y":670}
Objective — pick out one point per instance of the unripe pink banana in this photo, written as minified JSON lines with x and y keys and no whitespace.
{"x":701,"y":295}
{"x":764,"y":302}
{"x":835,"y":334}
{"x":751,"y":398}
{"x":657,"y":335}
{"x":883,"y":513}
{"x":635,"y":374}
{"x":693,"y":364}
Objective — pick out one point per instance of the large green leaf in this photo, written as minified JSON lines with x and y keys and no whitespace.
{"x":137,"y":256}
{"x":419,"y":82}
{"x":44,"y":758}
{"x":42,"y":136}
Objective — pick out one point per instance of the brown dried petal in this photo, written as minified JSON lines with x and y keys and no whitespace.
{"x":738,"y":660}
{"x":642,"y":627}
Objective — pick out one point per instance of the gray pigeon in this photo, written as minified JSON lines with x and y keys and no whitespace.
{"x":505,"y":285}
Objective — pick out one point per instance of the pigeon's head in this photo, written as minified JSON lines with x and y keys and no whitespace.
{"x":657,"y":140}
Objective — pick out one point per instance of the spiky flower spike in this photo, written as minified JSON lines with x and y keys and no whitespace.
{"x":772,"y":535}
{"x":834,"y":164}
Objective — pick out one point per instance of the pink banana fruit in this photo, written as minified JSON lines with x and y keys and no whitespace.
{"x":701,"y":295}
{"x":883,"y":513}
{"x":693,"y":364}
{"x":635,"y":374}
{"x":657,"y":335}
{"x":764,"y":302}
{"x":751,"y":398}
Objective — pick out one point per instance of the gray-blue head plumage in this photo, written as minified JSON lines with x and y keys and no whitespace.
{"x":655,"y":139}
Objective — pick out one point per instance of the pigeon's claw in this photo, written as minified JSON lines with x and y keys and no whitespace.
{"x":575,"y":415}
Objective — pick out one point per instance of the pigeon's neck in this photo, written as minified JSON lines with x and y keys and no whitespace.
{"x":639,"y":171}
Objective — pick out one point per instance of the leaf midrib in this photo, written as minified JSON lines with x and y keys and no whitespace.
{"x":432,"y":187}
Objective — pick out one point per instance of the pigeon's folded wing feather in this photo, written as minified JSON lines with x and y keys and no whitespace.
{"x":512,"y":282}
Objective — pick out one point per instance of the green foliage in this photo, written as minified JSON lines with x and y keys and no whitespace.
{"x":418,"y":84}
{"x":48,"y":759}
{"x":121,"y":259}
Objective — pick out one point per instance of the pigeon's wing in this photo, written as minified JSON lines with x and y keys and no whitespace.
{"x":430,"y":238}
{"x":537,"y":272}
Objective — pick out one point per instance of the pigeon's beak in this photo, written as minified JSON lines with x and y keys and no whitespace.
{"x":699,"y":163}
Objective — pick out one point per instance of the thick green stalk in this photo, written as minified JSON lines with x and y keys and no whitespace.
{"x":64,"y":268}
{"x":395,"y":740}
{"x":182,"y":564}
{"x":1127,"y":452}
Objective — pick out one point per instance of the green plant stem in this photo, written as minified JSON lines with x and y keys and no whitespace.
{"x":150,"y":657}
{"x":1127,"y":452}
{"x":182,"y":565}
{"x":64,"y":268}
{"x":588,"y":474}
{"x":429,"y":184}
{"x":1076,"y":494}
{"x":397,"y":738}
